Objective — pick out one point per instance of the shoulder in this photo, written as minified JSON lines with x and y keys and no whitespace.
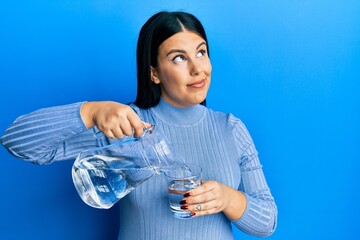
{"x":219,"y":116}
{"x":227,"y":119}
{"x":139,"y":111}
{"x":134,"y":107}
{"x":231,"y":124}
{"x":144,"y":114}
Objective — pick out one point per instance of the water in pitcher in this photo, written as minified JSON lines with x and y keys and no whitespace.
{"x":101,"y":181}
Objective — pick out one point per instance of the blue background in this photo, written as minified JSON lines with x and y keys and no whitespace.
{"x":289,"y":69}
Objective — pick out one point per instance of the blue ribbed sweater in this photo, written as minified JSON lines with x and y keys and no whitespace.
{"x":218,"y":142}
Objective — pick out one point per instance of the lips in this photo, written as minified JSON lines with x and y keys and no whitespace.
{"x":197,"y":84}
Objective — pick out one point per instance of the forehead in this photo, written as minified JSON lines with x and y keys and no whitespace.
{"x":181,"y":40}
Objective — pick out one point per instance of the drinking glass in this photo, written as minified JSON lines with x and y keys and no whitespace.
{"x":179,"y":182}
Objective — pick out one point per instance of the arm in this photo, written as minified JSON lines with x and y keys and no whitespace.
{"x":60,"y":133}
{"x":260,"y":215}
{"x":49,"y":134}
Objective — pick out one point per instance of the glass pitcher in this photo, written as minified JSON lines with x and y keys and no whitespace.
{"x":104,"y":175}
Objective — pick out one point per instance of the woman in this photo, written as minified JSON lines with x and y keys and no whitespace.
{"x":174,"y":74}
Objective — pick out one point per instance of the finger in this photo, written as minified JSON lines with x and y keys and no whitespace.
{"x":203,"y":188}
{"x":136,"y":124}
{"x":200,"y":199}
{"x":126,"y":128}
{"x":117,"y":132}
{"x":196,"y":208}
{"x":201,"y":209}
{"x":147,"y":125}
{"x":139,"y":129}
{"x":108,"y":133}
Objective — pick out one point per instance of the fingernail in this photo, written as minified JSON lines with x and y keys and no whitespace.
{"x":192,"y":214}
{"x":150,"y":128}
{"x":182,"y":202}
{"x":187,"y":194}
{"x":184,"y":207}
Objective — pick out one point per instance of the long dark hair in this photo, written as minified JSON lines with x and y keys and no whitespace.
{"x":155,"y":31}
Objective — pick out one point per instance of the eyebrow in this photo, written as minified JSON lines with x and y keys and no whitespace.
{"x":182,"y":51}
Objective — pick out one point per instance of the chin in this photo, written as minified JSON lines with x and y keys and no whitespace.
{"x":200,"y":100}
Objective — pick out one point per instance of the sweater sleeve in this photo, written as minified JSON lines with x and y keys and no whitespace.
{"x":260,"y":216}
{"x":49,"y":134}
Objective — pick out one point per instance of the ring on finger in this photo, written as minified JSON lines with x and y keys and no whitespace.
{"x":198,"y":207}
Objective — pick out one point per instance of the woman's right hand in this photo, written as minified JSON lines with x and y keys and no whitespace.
{"x":114,"y":119}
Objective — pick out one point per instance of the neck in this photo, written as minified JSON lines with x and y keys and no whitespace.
{"x":178,"y":116}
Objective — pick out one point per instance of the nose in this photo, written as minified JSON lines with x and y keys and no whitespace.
{"x":195,"y":68}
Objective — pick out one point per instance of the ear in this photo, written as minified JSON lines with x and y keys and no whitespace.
{"x":154,"y":77}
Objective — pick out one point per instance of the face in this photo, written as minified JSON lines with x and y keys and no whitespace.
{"x":184,"y":69}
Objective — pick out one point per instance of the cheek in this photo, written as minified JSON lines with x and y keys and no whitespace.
{"x":168,"y":82}
{"x":173,"y":77}
{"x":207,"y":67}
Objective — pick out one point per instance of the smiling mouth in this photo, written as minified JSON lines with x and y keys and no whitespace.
{"x":197,"y":84}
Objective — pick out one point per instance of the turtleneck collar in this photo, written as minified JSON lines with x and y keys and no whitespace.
{"x":178,"y":116}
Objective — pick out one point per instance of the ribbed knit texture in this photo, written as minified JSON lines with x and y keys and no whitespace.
{"x":218,"y":142}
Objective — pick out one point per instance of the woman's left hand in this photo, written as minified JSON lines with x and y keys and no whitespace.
{"x":213,"y":197}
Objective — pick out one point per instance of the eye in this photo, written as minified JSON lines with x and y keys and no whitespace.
{"x":179,"y":59}
{"x":201,"y":53}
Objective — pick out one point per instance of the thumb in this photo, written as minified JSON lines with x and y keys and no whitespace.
{"x":147,"y":125}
